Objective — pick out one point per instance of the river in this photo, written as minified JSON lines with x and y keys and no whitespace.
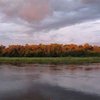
{"x":49,"y":82}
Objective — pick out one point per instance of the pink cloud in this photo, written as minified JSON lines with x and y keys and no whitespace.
{"x":29,"y":10}
{"x":35,"y":10}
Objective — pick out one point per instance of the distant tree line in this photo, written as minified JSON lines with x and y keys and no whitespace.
{"x":50,"y":50}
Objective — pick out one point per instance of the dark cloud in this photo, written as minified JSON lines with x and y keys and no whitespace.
{"x":90,"y":1}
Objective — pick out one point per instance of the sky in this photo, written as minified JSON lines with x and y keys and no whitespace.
{"x":49,"y":21}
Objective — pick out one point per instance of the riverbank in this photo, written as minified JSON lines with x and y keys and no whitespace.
{"x":49,"y":60}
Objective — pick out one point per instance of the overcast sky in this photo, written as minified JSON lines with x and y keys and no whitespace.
{"x":49,"y":21}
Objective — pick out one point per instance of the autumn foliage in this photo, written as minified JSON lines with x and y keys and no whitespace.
{"x":51,"y":50}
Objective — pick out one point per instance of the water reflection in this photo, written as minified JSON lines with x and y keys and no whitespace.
{"x":50,"y":82}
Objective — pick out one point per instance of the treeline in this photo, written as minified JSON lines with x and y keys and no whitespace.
{"x":51,"y":50}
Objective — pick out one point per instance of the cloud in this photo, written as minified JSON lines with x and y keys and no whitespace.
{"x":36,"y":19}
{"x":69,"y":12}
{"x":51,"y":14}
{"x":29,"y":10}
{"x":91,"y":1}
{"x":87,"y":32}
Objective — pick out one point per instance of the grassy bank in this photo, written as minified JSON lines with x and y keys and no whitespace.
{"x":50,"y":60}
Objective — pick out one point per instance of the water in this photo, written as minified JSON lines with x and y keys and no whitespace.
{"x":50,"y":82}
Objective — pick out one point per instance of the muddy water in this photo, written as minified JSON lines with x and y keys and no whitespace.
{"x":50,"y":82}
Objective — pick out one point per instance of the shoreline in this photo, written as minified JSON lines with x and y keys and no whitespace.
{"x":50,"y":60}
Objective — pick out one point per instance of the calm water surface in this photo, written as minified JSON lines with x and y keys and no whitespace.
{"x":50,"y":82}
